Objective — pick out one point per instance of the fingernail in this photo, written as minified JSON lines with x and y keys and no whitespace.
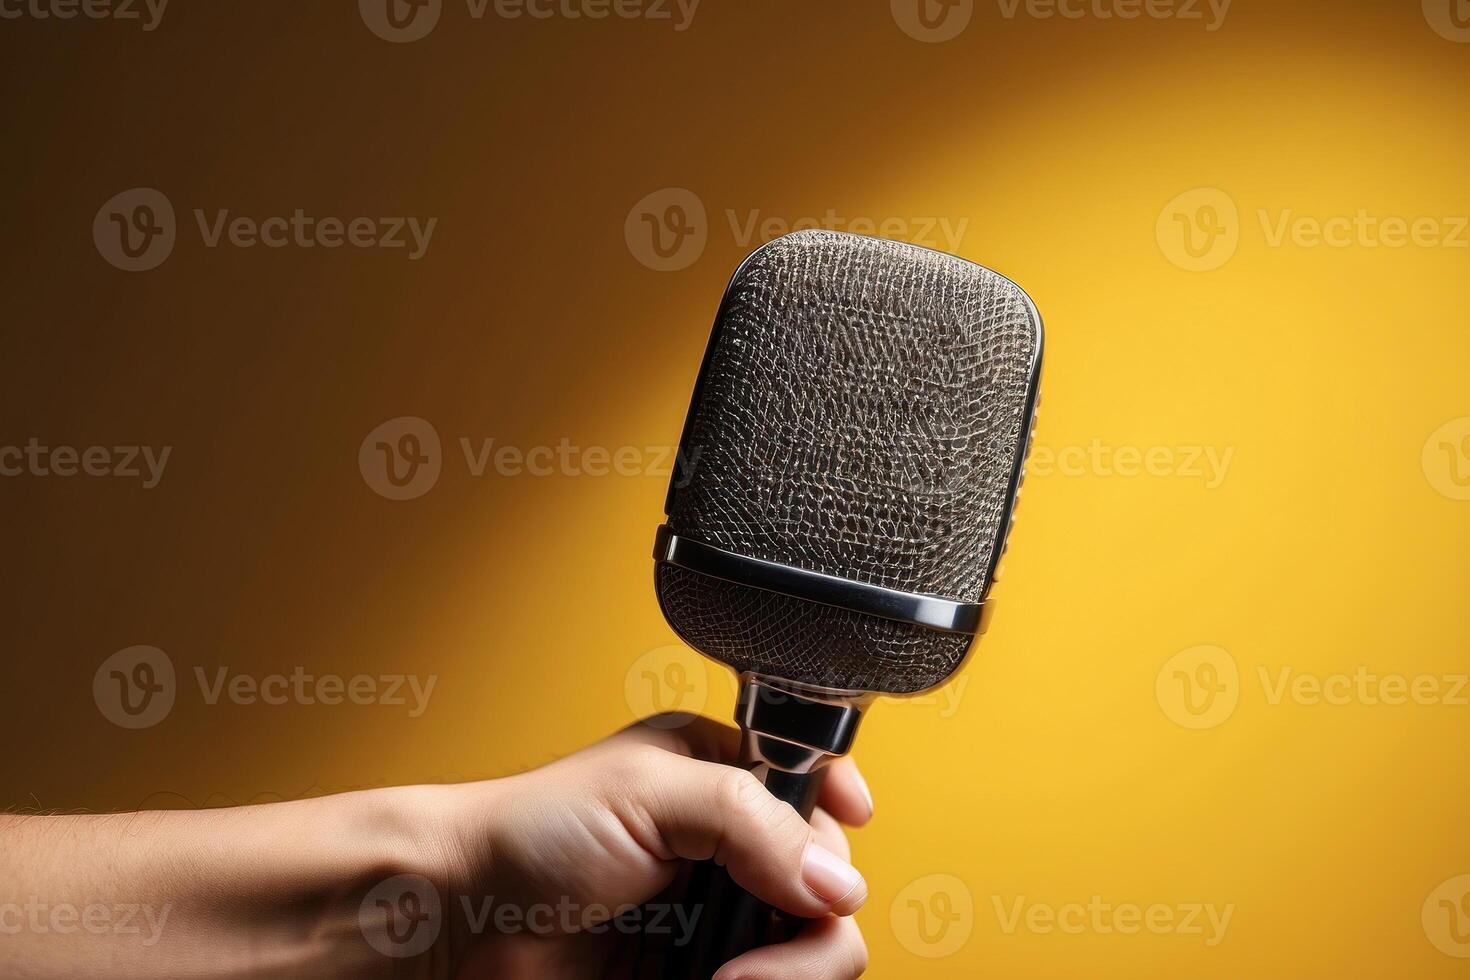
{"x":832,"y":879}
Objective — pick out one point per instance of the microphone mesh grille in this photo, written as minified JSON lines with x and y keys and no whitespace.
{"x":859,"y":413}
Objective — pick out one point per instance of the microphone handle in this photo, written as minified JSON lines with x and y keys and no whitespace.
{"x":733,"y":921}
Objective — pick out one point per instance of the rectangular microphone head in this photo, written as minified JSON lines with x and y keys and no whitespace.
{"x":850,"y":463}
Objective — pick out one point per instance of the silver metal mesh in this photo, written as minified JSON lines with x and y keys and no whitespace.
{"x":860,"y":413}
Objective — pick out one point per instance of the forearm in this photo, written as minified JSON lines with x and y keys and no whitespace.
{"x":217,"y":893}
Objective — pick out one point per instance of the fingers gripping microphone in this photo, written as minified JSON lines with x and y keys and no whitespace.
{"x":850,"y":465}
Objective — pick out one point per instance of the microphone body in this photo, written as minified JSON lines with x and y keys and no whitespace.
{"x":848,"y":475}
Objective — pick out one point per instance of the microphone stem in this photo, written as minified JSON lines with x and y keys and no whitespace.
{"x":789,"y":739}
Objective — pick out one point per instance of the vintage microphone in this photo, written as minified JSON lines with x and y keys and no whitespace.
{"x":858,"y":432}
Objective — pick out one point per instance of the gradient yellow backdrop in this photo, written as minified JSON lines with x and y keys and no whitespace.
{"x":1072,"y":763}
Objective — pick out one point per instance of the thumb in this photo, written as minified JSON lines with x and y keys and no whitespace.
{"x":699,"y":810}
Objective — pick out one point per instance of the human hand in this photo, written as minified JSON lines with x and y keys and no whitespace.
{"x":566,"y":847}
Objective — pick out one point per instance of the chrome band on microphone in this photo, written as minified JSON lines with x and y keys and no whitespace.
{"x":932,"y":612}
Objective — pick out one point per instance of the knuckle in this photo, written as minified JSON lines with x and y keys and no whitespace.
{"x":761,"y":812}
{"x":757,"y":816}
{"x":740,"y":790}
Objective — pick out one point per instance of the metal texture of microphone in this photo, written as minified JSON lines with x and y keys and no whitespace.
{"x":849,"y":469}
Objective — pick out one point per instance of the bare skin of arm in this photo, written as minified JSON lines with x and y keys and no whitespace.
{"x":504,"y":878}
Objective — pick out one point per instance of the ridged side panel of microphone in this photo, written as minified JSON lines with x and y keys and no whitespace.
{"x":860,"y":413}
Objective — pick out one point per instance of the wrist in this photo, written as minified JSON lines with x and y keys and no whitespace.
{"x":415,"y":831}
{"x":446,"y":836}
{"x":386,"y":907}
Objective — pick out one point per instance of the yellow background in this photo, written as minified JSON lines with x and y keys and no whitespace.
{"x":1054,"y":770}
